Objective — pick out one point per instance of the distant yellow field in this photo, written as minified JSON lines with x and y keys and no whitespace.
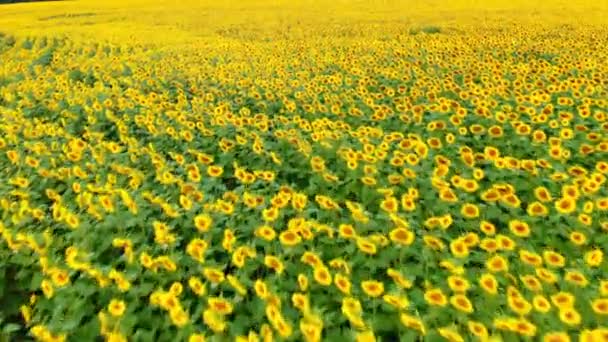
{"x":304,"y":170}
{"x":160,"y":21}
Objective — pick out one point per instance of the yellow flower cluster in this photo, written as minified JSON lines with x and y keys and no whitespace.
{"x":305,"y":179}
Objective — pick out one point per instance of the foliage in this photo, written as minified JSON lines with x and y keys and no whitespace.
{"x":335,"y":180}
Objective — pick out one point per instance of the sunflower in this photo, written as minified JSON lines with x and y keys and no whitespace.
{"x":523,"y":327}
{"x":490,"y":195}
{"x":213,"y":275}
{"x":530,"y":258}
{"x":389,"y":205}
{"x":470,"y":239}
{"x":565,"y":205}
{"x":511,"y":200}
{"x":537,"y":209}
{"x":365,"y":336}
{"x":176,"y":289}
{"x":435,"y":297}
{"x":369,"y":181}
{"x":600,"y":306}
{"x":470,"y":185}
{"x":301,"y":302}
{"x":274,"y":263}
{"x":563,"y":300}
{"x":602,"y":204}
{"x":478,"y":329}
{"x":347,"y":231}
{"x":266,"y":233}
{"x":450,"y":334}
{"x":531,"y":283}
{"x":116,"y":307}
{"x":487,"y":228}
{"x":458,"y":283}
{"x":408,"y":203}
{"x":215,"y":171}
{"x":302,"y":282}
{"x":342,"y":283}
{"x":448,"y":195}
{"x":469,"y":211}
{"x":399,"y":302}
{"x":488,"y":283}
{"x":399,"y":279}
{"x":578,"y":238}
{"x":203,"y":222}
{"x":372,"y":288}
{"x":433,"y":242}
{"x":489,"y":245}
{"x":237,"y":285}
{"x":195,"y":337}
{"x":497,"y":263}
{"x":311,"y":259}
{"x":459,"y":248}
{"x":570,"y":316}
{"x":519,"y":305}
{"x":289,"y":238}
{"x":558,"y":336}
{"x":585,"y":219}
{"x":554,"y":259}
{"x":491,"y":152}
{"x":603,"y":288}
{"x":351,"y":306}
{"x":261,"y":289}
{"x":413,"y":323}
{"x":270,"y":214}
{"x":179,"y":317}
{"x":576,"y":278}
{"x":310,"y":330}
{"x":106,"y":203}
{"x":47,"y":288}
{"x":546,"y":275}
{"x":519,"y":228}
{"x":401,"y":236}
{"x":571,"y":191}
{"x":366,"y":246}
{"x":541,"y":304}
{"x":213,"y":321}
{"x":594,"y":258}
{"x":461,"y":303}
{"x":60,"y":278}
{"x":445,"y":221}
{"x":219,"y":306}
{"x":322,"y":275}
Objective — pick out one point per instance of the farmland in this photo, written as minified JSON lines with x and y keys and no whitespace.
{"x":303,"y":170}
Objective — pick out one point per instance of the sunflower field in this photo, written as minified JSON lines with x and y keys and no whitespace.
{"x":304,"y":171}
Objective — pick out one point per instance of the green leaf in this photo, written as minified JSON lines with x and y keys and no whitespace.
{"x":11,"y":327}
